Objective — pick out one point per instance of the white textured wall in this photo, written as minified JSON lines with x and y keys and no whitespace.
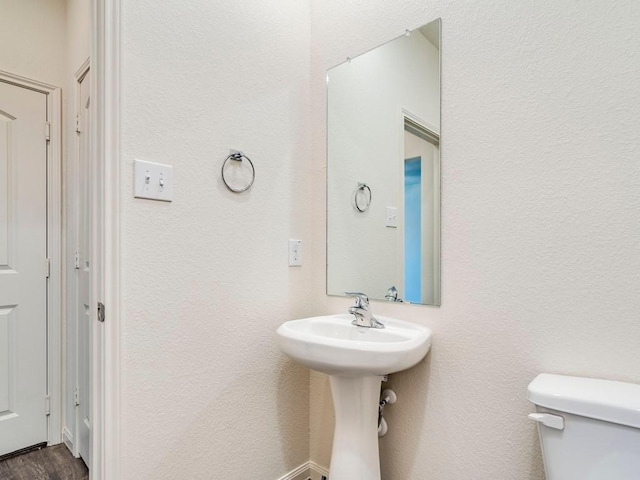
{"x":540,"y":249}
{"x":206,"y":393}
{"x":32,"y":39}
{"x":78,"y":22}
{"x":366,"y":127}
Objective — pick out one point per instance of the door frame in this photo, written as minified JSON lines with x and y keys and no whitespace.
{"x":54,"y":248}
{"x":404,"y":115}
{"x":105,"y":153}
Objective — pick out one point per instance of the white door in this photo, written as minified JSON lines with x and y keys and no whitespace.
{"x":84,"y":313}
{"x":23,"y":271}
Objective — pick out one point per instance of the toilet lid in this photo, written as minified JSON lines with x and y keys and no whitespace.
{"x":615,"y":402}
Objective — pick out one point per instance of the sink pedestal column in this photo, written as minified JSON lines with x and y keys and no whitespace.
{"x":355,"y":454}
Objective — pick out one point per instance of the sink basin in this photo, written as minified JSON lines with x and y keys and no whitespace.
{"x":330,"y":344}
{"x":356,"y":359}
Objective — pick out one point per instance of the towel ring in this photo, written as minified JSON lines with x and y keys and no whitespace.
{"x":361,"y":188}
{"x":238,"y":157}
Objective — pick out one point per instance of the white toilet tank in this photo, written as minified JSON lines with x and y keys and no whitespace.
{"x":589,"y":429}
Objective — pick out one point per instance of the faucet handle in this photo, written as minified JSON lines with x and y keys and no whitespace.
{"x":362,"y":301}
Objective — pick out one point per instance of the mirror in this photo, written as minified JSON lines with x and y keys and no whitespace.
{"x":383,"y":171}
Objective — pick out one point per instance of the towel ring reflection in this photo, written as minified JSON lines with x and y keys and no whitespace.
{"x":362,"y":188}
{"x":238,"y":157}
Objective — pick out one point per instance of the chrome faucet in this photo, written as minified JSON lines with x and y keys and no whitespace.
{"x":364,"y":317}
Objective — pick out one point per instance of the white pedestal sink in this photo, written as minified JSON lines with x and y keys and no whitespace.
{"x":356,"y":358}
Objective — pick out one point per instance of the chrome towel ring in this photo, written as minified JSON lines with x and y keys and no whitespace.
{"x":362,"y":190}
{"x":238,"y":157}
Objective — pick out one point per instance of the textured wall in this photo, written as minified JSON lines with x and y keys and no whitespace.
{"x":78,"y":20}
{"x":32,"y":39}
{"x":206,"y":393}
{"x":540,"y":249}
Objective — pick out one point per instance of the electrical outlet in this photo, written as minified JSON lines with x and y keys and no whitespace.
{"x":295,"y":253}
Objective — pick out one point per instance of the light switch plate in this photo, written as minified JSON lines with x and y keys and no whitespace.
{"x":153,"y":181}
{"x":392,"y":217}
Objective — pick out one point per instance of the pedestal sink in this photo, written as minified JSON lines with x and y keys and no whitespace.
{"x":356,"y":358}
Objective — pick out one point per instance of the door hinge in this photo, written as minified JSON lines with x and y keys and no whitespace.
{"x":77,"y":123}
{"x":47,"y":405}
{"x":101,"y":312}
{"x":47,"y":131}
{"x":76,"y":396}
{"x":48,"y":266}
{"x":77,"y":260}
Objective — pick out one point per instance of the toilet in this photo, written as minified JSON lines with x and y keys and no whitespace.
{"x":589,"y":429}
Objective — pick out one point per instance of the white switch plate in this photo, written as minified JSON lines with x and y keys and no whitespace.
{"x":295,"y":253}
{"x":153,"y":181}
{"x":392,"y":217}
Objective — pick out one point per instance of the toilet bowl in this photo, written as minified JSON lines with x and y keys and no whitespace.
{"x":589,"y":429}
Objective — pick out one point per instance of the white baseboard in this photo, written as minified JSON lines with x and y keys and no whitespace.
{"x":67,"y":438}
{"x":317,"y":472}
{"x":307,"y":471}
{"x":300,"y":473}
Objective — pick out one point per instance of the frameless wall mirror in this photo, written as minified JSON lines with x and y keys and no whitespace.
{"x":383,"y":171}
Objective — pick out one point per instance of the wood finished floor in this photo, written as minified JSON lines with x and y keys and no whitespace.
{"x":51,"y":463}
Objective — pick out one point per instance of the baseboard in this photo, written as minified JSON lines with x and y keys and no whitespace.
{"x":317,"y":472}
{"x":67,"y":438}
{"x":307,"y":471}
{"x":300,"y":473}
